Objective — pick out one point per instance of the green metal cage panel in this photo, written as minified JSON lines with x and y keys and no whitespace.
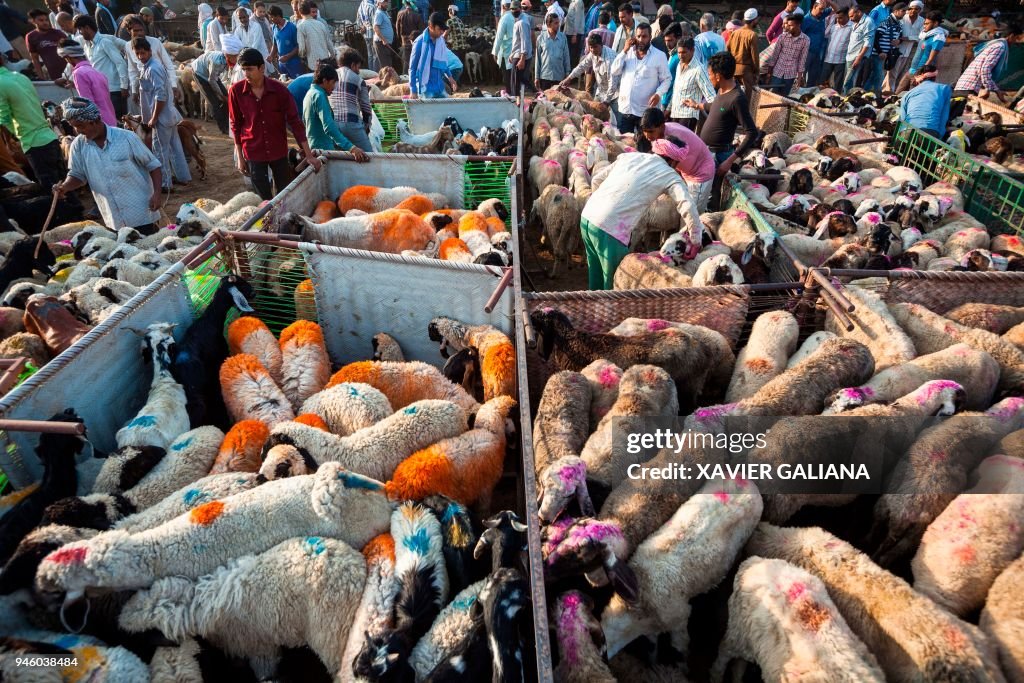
{"x":389,"y":114}
{"x":993,"y":198}
{"x":487,"y":180}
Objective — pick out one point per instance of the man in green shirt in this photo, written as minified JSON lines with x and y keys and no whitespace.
{"x":22,"y":113}
{"x":321,"y":128}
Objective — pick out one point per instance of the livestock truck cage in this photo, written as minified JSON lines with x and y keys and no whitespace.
{"x":426,"y":116}
{"x":993,"y":197}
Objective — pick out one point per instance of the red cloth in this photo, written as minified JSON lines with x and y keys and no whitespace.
{"x":258,"y":125}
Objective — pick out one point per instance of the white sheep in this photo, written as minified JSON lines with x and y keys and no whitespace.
{"x":1003,"y":619}
{"x":333,"y":502}
{"x":559,"y":215}
{"x":974,"y":539}
{"x":960,"y":243}
{"x":718,"y":270}
{"x":376,"y":451}
{"x":375,"y":614}
{"x":582,"y":660}
{"x":447,"y":633}
{"x":645,"y":392}
{"x":193,"y":219}
{"x":302,"y":592}
{"x":164,"y":416}
{"x":138,"y":273}
{"x":782,"y":619}
{"x":604,"y":377}
{"x":976,"y":371}
{"x":912,"y":638}
{"x":305,"y":365}
{"x":650,"y":271}
{"x":773,"y":339}
{"x":687,"y":556}
{"x":191,"y":495}
{"x":348,"y":407}
{"x":250,"y":392}
{"x":1015,"y":336}
{"x":544,"y":172}
{"x":875,"y":327}
{"x":251,"y":335}
{"x":736,"y":230}
{"x":562,"y":422}
{"x":390,"y":231}
{"x":809,"y":346}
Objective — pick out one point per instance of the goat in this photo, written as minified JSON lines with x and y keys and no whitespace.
{"x":164,"y":416}
{"x":437,"y":145}
{"x":21,"y":261}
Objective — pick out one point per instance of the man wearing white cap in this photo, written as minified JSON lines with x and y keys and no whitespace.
{"x":912,"y":23}
{"x":455,"y":38}
{"x":743,"y":46}
{"x":552,"y":7}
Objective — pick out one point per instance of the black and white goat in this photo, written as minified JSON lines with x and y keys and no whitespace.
{"x":163,"y":417}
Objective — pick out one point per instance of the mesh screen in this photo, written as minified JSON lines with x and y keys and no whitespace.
{"x":389,"y":113}
{"x":487,"y":180}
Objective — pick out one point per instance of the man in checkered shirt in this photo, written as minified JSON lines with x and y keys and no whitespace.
{"x":789,"y":56}
{"x":981,"y":74}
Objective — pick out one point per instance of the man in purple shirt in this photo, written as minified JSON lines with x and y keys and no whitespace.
{"x":90,"y":83}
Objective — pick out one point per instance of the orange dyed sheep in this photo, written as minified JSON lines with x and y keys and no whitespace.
{"x":305,"y":302}
{"x":305,"y":366}
{"x":405,"y":383}
{"x":325,"y":211}
{"x":312,"y":420}
{"x":392,"y":231}
{"x":494,"y":348}
{"x":465,"y":468}
{"x":242,"y":448}
{"x":249,"y":334}
{"x":250,"y":392}
{"x":454,"y":249}
{"x":373,"y":199}
{"x":417,"y":203}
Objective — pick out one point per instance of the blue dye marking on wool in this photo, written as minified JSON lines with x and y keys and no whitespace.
{"x":142,"y":421}
{"x":418,"y":543}
{"x":198,"y":548}
{"x":411,"y":410}
{"x":67,"y":642}
{"x":450,"y":512}
{"x":183,"y":355}
{"x":181,"y":445}
{"x":465,"y":603}
{"x":357,"y":481}
{"x":193,"y":496}
{"x":315,"y":545}
{"x":352,"y":391}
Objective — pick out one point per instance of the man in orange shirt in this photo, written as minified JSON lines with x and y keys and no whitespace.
{"x":743,"y":46}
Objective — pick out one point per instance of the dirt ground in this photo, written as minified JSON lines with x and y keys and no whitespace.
{"x":223,"y":181}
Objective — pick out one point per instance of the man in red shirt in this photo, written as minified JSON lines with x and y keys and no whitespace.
{"x":259,"y":108}
{"x":42,"y":43}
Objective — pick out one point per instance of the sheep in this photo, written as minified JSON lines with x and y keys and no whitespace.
{"x":661,"y":218}
{"x":687,"y":556}
{"x":11,"y":321}
{"x":645,"y":392}
{"x":21,"y":261}
{"x":1015,"y":336}
{"x":20,"y":570}
{"x":375,"y":199}
{"x":376,"y":451}
{"x":991,"y":317}
{"x":604,"y":378}
{"x":505,"y":538}
{"x":457,"y":539}
{"x":590,"y":547}
{"x":250,"y":392}
{"x":1001,"y":620}
{"x":375,"y":613}
{"x":931,"y":332}
{"x":781,"y":617}
{"x":736,"y":230}
{"x":439,"y":143}
{"x":465,"y":467}
{"x":90,"y":659}
{"x":249,"y":334}
{"x":386,"y":347}
{"x":1012,"y":444}
{"x":423,"y":591}
{"x":773,"y":339}
{"x":193,"y":219}
{"x":27,"y":345}
{"x":204,"y":348}
{"x":809,"y":346}
{"x":815,"y":442}
{"x":138,"y":273}
{"x":348,"y":407}
{"x":447,"y":633}
{"x":935,"y":469}
{"x":975,"y":370}
{"x":497,"y":355}
{"x":164,"y":415}
{"x":504,"y":597}
{"x":875,"y":328}
{"x":718,"y":270}
{"x":802,"y":389}
{"x":189,"y":496}
{"x":391,"y":231}
{"x":561,"y":425}
{"x":544,"y":172}
{"x":559,"y":215}
{"x":581,"y":642}
{"x":649,"y":271}
{"x":241,"y":448}
{"x":305,"y":367}
{"x":332,"y":503}
{"x":974,"y":539}
{"x":960,"y":243}
{"x":912,"y":638}
{"x":687,"y":358}
{"x":405,"y":383}
{"x":323,"y":575}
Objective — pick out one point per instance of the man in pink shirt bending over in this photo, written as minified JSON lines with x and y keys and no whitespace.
{"x":683,"y":150}
{"x":90,"y":83}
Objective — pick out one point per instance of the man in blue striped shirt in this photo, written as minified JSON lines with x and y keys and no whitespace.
{"x":887,"y":46}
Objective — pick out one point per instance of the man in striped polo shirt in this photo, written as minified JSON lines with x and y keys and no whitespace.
{"x":887,"y":47}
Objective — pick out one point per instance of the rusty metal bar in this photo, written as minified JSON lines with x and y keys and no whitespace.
{"x":12,"y":368}
{"x":43,"y":427}
{"x":777,"y":105}
{"x":868,"y":141}
{"x":503,"y":283}
{"x":832,"y":291}
{"x":528,"y":331}
{"x":192,"y":256}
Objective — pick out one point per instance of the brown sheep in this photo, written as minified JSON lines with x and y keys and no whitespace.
{"x":991,"y":317}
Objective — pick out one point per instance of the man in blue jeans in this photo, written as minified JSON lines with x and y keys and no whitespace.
{"x":858,"y":53}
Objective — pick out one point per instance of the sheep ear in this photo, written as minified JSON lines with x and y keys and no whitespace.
{"x":241,"y":303}
{"x":748,"y":254}
{"x":482,"y":545}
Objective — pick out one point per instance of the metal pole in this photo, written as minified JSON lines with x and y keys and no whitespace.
{"x":43,"y":427}
{"x":505,"y":281}
{"x":831,"y":289}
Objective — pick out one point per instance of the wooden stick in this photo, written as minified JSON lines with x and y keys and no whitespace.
{"x":778,"y":105}
{"x":46,"y":225}
{"x":867,"y":141}
{"x":528,"y":331}
{"x":12,"y":368}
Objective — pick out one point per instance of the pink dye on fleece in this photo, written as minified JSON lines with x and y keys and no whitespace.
{"x":933,"y":388}
{"x":551,"y":162}
{"x":1012,"y":407}
{"x":795,"y":591}
{"x":609,"y":376}
{"x":69,"y":556}
{"x":657,"y":325}
{"x":742,"y":214}
{"x":712,"y":412}
{"x":722,"y":496}
{"x":570,"y":628}
{"x":873,"y":217}
{"x":571,"y":474}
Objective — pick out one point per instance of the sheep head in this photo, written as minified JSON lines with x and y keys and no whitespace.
{"x":192,"y":220}
{"x":559,"y":483}
{"x":293,"y":224}
{"x":549,"y":324}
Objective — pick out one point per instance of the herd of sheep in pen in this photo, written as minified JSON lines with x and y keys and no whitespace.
{"x":266,"y":519}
